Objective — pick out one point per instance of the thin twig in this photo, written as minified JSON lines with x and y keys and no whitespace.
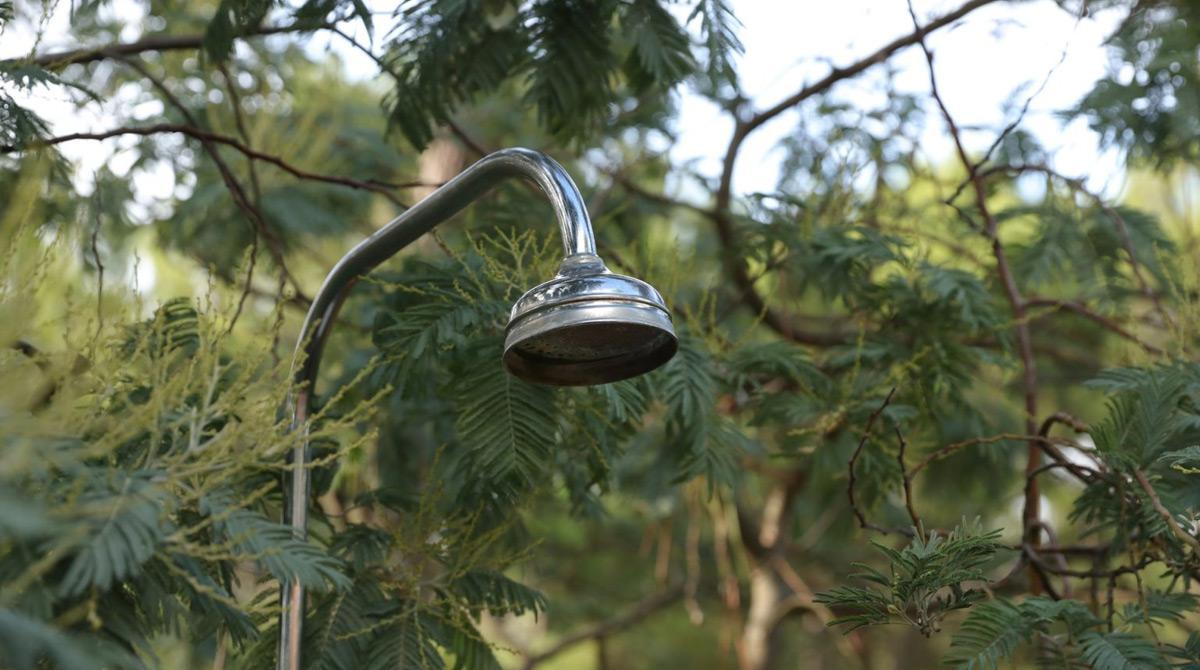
{"x":858,"y":514}
{"x":1065,"y":419}
{"x":454,"y":128}
{"x":96,"y":205}
{"x":659,"y":198}
{"x":918,"y":527}
{"x":1030,"y":551}
{"x":1165,"y":513}
{"x":466,"y":138}
{"x":1031,"y":513}
{"x":253,"y":215}
{"x":1041,"y":581}
{"x":60,"y":59}
{"x":953,"y":447}
{"x":1101,"y":320}
{"x":235,"y":102}
{"x":1062,"y":57}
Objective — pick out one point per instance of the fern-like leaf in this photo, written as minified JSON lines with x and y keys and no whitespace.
{"x":718,"y":27}
{"x":571,"y":77}
{"x":27,"y":644}
{"x":990,"y":634}
{"x":661,"y":55}
{"x":124,"y":534}
{"x":1119,"y":651}
{"x":497,"y":594}
{"x":507,"y":426}
{"x":275,"y":547}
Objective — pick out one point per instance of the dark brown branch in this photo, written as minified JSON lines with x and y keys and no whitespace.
{"x":235,"y":103}
{"x":99,"y":266}
{"x":612,"y":626}
{"x":1040,"y":579}
{"x":659,"y":198}
{"x":1031,"y":513}
{"x":1065,"y":419}
{"x":1041,"y":569}
{"x":1034,"y":555}
{"x":1097,"y":318}
{"x":374,"y":185}
{"x":466,"y":138}
{"x":1045,"y":442}
{"x":60,"y":59}
{"x":858,"y":513}
{"x":918,"y":527}
{"x":1070,"y":549}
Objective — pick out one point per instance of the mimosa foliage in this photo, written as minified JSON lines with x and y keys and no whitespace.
{"x":884,"y":343}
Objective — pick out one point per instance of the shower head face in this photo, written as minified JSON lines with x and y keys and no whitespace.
{"x":588,"y":326}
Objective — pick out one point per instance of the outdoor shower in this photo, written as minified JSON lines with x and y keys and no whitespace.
{"x":585,"y":326}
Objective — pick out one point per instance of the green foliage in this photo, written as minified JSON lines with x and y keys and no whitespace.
{"x":1186,"y":460}
{"x":994,"y":630}
{"x":718,"y":27}
{"x":1119,"y":651}
{"x":567,"y":57}
{"x":231,"y":19}
{"x":20,"y":126}
{"x":572,"y":63}
{"x":444,"y":54}
{"x":125,"y":536}
{"x":927,"y":579}
{"x":661,"y":52}
{"x":1149,"y":107}
{"x":27,"y":641}
{"x":274,"y":545}
{"x":507,"y":425}
{"x":491,"y":591}
{"x":142,"y":441}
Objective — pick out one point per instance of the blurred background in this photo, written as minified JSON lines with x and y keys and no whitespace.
{"x":920,"y":217}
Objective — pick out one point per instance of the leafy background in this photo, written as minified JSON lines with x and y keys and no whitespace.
{"x":906,"y":393}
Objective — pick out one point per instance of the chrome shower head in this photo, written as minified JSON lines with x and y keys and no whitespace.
{"x":588,"y":326}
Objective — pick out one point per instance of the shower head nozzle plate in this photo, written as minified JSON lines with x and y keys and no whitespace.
{"x":588,"y":326}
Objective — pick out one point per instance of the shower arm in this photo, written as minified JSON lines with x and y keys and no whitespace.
{"x":579,"y":245}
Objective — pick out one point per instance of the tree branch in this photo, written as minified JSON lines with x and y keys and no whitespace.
{"x":60,"y":59}
{"x":918,"y":527}
{"x":1043,"y":441}
{"x":1101,"y":320}
{"x":377,"y":186}
{"x":235,"y":103}
{"x":1031,"y":511}
{"x":881,"y":55}
{"x":659,"y":198}
{"x":858,"y":513}
{"x":258,"y":224}
{"x":635,"y":614}
{"x":1165,"y":513}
